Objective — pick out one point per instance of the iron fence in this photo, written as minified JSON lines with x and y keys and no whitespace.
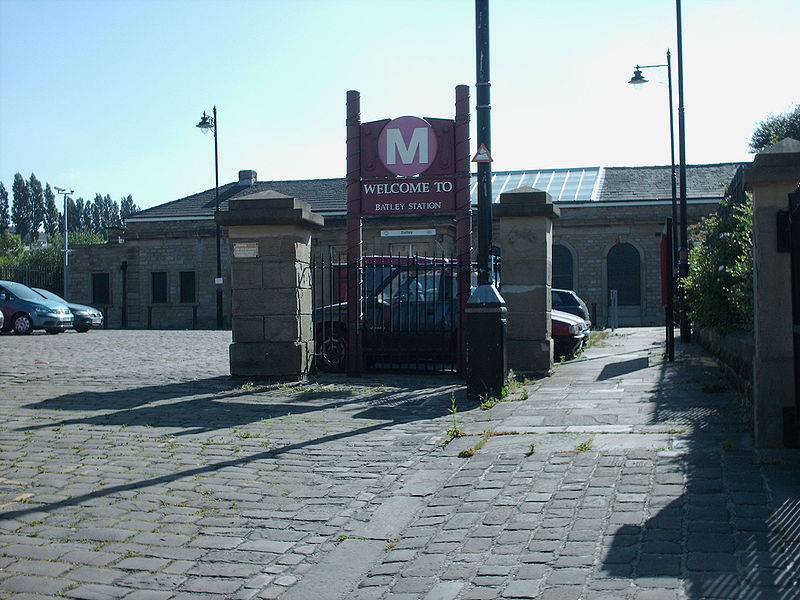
{"x":409,"y":312}
{"x":49,"y":278}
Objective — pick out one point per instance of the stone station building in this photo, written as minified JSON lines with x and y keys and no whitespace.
{"x":159,"y":272}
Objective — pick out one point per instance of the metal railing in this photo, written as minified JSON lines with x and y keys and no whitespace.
{"x":409,"y":312}
{"x":49,"y":278}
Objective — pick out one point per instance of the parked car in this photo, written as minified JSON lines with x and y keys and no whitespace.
{"x":84,"y":317}
{"x":410,"y":309}
{"x":569,"y":301}
{"x":25,"y":310}
{"x":410,"y":315}
{"x":570,"y":333}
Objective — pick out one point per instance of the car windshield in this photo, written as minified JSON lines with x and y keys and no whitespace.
{"x":23,"y":292}
{"x":49,"y":295}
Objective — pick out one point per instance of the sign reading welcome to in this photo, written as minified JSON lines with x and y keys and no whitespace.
{"x":407,"y":166}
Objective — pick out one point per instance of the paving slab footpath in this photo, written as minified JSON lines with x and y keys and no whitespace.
{"x":133,"y":467}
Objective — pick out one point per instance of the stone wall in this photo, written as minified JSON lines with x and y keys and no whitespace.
{"x":171,"y":247}
{"x":735,"y":352}
{"x":588,"y":230}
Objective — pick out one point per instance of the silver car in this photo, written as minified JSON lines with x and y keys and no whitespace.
{"x":84,"y":317}
{"x":25,"y":310}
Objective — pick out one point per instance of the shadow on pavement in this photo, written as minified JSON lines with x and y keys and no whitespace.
{"x":390,"y":407}
{"x":209,"y":406}
{"x":725,"y":518}
{"x":623,"y":368}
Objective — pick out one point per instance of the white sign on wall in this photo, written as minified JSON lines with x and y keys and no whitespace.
{"x":245,"y":250}
{"x":406,"y":232}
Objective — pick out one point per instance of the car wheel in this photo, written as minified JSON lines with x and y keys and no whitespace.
{"x":332,"y":355}
{"x":81,"y":329}
{"x":22,"y":324}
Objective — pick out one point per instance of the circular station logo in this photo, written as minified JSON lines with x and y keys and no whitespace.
{"x":407,"y":146}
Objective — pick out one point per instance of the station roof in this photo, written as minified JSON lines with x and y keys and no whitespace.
{"x":574,"y":185}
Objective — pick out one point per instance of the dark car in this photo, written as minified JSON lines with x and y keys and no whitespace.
{"x":25,"y":310}
{"x":570,"y":333}
{"x":410,"y":308}
{"x":84,"y":317}
{"x":568,"y":301}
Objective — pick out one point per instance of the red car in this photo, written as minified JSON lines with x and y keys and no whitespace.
{"x":570,"y":333}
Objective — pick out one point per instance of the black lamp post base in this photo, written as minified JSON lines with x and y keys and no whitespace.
{"x":486,"y":343}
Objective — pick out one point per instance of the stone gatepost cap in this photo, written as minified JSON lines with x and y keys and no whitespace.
{"x":526,"y":202}
{"x":526,"y":195}
{"x":269,"y":208}
{"x":779,"y":162}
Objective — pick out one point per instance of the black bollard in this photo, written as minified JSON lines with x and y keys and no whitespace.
{"x":486,"y":343}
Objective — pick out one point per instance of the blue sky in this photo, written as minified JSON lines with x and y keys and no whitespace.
{"x":103,"y":96}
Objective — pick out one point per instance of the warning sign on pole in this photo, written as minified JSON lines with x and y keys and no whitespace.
{"x":482,"y":155}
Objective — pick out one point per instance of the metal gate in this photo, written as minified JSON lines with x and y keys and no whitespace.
{"x":793,"y":433}
{"x":410,"y":313}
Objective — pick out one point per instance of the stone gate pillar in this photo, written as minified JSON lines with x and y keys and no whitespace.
{"x":271,"y":304}
{"x":526,"y":241}
{"x":775,"y":173}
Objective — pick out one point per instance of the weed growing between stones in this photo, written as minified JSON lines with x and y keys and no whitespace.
{"x":584,"y":446}
{"x":469,"y":452}
{"x":510,"y":386}
{"x":455,"y":429}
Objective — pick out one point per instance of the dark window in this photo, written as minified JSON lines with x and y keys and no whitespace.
{"x":159,"y":287}
{"x":624,"y":274}
{"x":101,"y":289}
{"x":188,"y":293}
{"x":562,"y":268}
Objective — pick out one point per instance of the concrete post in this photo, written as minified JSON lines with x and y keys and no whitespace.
{"x":526,"y":241}
{"x":774,"y":174}
{"x":272,"y":312}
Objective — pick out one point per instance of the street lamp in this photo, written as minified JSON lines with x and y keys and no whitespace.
{"x":66,"y":193}
{"x":683,"y":250}
{"x":637,"y":81}
{"x":210,"y":123}
{"x":683,"y":253}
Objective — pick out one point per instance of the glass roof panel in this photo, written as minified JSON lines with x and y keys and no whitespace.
{"x":564,"y":185}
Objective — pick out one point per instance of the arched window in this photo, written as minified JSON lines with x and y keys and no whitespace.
{"x":624,"y":274}
{"x":563,"y":268}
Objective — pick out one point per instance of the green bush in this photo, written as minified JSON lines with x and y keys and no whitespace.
{"x":719,"y":287}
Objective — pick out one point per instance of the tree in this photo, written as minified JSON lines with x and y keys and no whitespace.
{"x":720,"y":282}
{"x":21,"y":209}
{"x":37,"y":205}
{"x":83,"y":220}
{"x":72,"y":216}
{"x":775,"y":128}
{"x":11,"y":248}
{"x":52,"y":219}
{"x":5,"y":217}
{"x":127,"y":208}
{"x":97,"y":214}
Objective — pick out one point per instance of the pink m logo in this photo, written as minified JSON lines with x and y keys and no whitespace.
{"x":407,"y":146}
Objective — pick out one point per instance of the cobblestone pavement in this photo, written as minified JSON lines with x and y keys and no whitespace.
{"x":132,"y":467}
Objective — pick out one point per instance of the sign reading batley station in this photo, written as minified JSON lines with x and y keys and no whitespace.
{"x":407,"y":166}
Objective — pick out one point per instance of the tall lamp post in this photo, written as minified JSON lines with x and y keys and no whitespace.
{"x":683,"y":252}
{"x":210,"y":123}
{"x":66,"y":194}
{"x":637,"y":81}
{"x":485,"y":312}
